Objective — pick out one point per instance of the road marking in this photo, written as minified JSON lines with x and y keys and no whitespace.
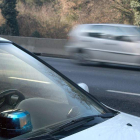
{"x":121,"y":92}
{"x":30,"y":80}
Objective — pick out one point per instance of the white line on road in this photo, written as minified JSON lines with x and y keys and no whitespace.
{"x":121,"y":92}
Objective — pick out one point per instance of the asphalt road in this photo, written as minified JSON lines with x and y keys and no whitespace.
{"x":116,"y":86}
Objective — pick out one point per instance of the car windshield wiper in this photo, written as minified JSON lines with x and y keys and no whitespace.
{"x":42,"y":137}
{"x":79,"y":122}
{"x":43,"y":134}
{"x":37,"y":135}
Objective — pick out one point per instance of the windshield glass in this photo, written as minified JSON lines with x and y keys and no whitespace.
{"x":49,"y":98}
{"x":134,"y":31}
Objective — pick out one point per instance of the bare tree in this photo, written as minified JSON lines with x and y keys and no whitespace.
{"x":124,"y":7}
{"x":135,"y":4}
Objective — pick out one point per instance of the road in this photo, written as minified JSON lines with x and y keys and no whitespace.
{"x":116,"y":86}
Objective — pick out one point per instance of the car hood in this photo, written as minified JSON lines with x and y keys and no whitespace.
{"x":120,"y":127}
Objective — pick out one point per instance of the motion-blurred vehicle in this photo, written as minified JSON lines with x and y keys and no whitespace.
{"x":113,"y":43}
{"x":37,"y":102}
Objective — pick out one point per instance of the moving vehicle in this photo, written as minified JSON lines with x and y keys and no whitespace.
{"x":111,"y":43}
{"x":37,"y":102}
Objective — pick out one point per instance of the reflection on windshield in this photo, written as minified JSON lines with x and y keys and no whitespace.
{"x":48,"y":97}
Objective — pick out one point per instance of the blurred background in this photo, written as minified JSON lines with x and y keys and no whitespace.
{"x":54,"y":18}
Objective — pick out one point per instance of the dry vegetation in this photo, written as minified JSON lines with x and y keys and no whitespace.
{"x":54,"y":19}
{"x":2,"y":20}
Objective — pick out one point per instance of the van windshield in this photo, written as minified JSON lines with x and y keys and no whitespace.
{"x":49,"y":98}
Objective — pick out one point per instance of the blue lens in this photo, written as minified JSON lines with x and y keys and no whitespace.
{"x":16,"y":122}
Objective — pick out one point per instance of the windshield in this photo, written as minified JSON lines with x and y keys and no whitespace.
{"x":49,"y":98}
{"x":134,"y":31}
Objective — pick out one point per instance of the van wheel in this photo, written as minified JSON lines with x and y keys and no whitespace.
{"x":80,"y":56}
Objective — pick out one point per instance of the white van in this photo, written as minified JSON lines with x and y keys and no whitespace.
{"x":37,"y":102}
{"x":113,"y":43}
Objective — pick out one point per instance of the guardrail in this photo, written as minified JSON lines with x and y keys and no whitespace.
{"x":44,"y":46}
